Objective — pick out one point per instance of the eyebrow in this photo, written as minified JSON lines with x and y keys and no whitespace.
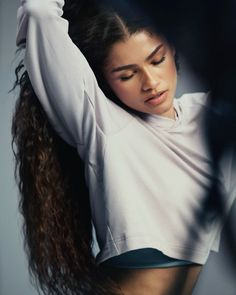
{"x":126,"y":67}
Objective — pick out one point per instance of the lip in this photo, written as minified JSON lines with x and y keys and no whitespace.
{"x":157,"y":98}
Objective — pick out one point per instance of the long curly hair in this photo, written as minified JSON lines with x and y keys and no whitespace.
{"x":54,"y":198}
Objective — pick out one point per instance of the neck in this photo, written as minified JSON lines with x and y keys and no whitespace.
{"x":171,"y":114}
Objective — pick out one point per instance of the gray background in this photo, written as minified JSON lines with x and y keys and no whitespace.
{"x":216,"y":278}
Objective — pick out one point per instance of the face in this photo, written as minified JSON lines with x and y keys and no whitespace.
{"x":142,"y":73}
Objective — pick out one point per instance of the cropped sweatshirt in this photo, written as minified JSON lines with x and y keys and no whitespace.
{"x":148,"y":175}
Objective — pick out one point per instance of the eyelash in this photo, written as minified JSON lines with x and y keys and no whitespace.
{"x":159,"y":61}
{"x":155,"y":63}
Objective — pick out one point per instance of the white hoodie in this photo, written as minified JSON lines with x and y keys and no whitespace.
{"x":148,"y":175}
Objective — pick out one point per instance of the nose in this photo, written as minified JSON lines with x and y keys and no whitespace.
{"x":150,"y":81}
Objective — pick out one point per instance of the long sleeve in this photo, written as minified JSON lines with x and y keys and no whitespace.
{"x":60,"y":75}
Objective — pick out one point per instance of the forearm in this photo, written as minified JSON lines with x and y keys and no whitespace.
{"x":59,"y":73}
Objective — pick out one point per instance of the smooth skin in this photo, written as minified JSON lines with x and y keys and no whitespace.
{"x":137,"y":69}
{"x":156,"y":281}
{"x":140,"y":67}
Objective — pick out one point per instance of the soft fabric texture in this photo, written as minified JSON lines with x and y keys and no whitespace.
{"x":148,"y":175}
{"x":144,"y":258}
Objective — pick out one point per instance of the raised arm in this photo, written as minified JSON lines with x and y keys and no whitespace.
{"x":59,"y":73}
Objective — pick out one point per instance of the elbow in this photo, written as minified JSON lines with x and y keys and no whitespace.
{"x":43,"y":8}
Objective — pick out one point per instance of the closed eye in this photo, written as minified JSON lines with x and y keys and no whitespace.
{"x":126,"y":78}
{"x":154,"y":62}
{"x":157,"y":62}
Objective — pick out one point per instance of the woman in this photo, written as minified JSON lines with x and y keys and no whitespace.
{"x":146,"y":165}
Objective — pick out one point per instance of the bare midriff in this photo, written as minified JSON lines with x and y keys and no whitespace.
{"x":179,"y":280}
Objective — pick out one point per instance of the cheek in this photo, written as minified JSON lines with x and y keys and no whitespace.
{"x":123,"y":90}
{"x":171,"y":73}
